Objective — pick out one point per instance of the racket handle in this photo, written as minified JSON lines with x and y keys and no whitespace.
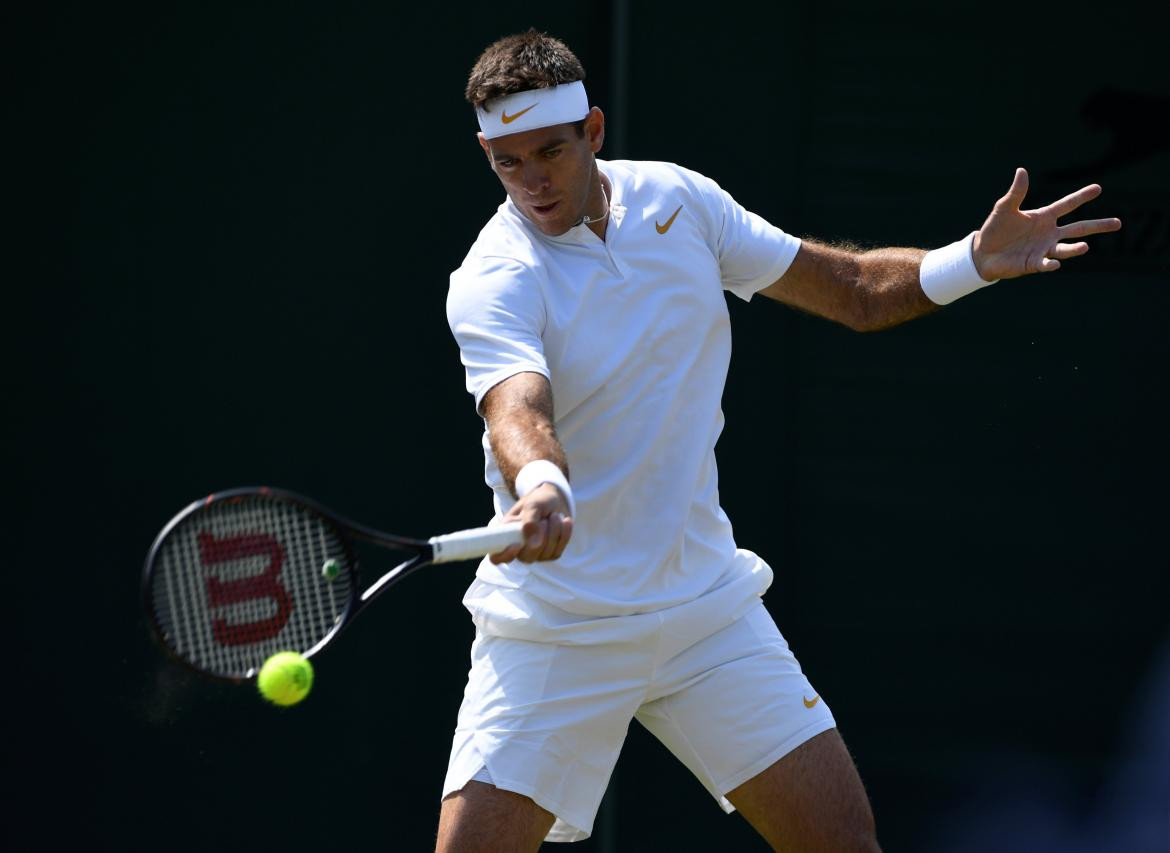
{"x":465,"y":544}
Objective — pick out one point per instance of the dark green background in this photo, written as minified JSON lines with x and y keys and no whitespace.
{"x":232,"y":231}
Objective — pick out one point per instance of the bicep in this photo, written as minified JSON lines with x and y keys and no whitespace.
{"x":497,"y":317}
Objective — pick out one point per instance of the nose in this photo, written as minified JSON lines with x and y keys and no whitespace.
{"x":535,"y":178}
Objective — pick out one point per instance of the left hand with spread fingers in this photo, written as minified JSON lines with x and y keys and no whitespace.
{"x":1015,"y":242}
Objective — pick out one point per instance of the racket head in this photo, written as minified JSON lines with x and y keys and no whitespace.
{"x":239,"y":575}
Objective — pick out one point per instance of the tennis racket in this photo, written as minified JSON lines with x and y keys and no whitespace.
{"x":245,"y":573}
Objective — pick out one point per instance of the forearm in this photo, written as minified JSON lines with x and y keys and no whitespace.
{"x":519,"y":413}
{"x":864,"y":290}
{"x":887,"y":288}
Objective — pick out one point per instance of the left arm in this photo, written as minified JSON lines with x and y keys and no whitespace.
{"x":865,"y":291}
{"x":878,"y":289}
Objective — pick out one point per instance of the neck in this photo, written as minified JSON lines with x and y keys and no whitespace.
{"x":598,"y":223}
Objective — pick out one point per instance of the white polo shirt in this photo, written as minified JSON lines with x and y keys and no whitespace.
{"x":633,"y":334}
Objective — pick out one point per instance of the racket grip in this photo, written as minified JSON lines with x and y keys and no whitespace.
{"x":465,"y":544}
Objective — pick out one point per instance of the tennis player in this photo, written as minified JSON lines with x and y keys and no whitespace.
{"x":592,"y":324}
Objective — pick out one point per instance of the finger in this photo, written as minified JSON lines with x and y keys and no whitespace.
{"x":564,"y":534}
{"x":535,"y":532}
{"x":507,"y":555}
{"x":1072,"y":201}
{"x":552,"y":543}
{"x":526,"y":550}
{"x":1014,"y":197}
{"x":1086,"y":227}
{"x":520,"y":511}
{"x":1064,"y":251}
{"x":1047,"y":265}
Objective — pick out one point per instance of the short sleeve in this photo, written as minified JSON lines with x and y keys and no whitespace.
{"x":752,"y":252}
{"x":495,"y":309}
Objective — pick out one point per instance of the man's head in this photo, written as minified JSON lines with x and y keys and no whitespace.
{"x":520,"y":63}
{"x":537,"y":129}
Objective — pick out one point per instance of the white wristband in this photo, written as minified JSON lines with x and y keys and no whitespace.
{"x":949,"y":273}
{"x":541,"y":471}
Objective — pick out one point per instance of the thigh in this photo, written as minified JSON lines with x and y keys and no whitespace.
{"x":811,"y":799}
{"x":482,"y":818}
{"x":733,"y":704}
{"x":547,"y":722}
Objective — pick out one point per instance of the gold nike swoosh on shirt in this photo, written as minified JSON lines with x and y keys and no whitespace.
{"x":508,"y":119}
{"x":662,"y":229}
{"x":808,"y":703}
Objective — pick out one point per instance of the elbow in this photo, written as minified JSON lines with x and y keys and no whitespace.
{"x":867,"y":323}
{"x":862,"y":316}
{"x":860,"y":311}
{"x":861,"y":324}
{"x":874,"y":309}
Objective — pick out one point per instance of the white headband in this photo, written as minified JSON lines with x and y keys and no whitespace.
{"x":535,"y":108}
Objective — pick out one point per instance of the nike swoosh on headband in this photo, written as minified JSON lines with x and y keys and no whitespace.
{"x":508,"y":119}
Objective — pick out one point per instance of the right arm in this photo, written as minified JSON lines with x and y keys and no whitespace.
{"x":519,"y":414}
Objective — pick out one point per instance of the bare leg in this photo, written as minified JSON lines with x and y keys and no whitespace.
{"x":810,"y":800}
{"x":481,"y":818}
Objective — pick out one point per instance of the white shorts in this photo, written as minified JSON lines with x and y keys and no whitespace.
{"x":548,"y":721}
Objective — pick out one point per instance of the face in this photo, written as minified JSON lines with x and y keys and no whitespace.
{"x":550,"y":173}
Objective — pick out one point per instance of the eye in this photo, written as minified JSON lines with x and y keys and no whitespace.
{"x":507,"y":163}
{"x":552,"y":154}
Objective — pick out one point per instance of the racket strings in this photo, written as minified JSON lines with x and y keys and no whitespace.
{"x":238,"y":580}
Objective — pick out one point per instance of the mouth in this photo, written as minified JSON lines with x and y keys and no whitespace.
{"x":545,"y":209}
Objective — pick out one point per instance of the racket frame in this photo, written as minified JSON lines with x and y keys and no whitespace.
{"x":348,"y":531}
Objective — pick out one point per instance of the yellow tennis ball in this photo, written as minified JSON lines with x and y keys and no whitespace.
{"x":285,"y":678}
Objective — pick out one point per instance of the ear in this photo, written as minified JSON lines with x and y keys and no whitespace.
{"x":483,"y":143}
{"x":595,"y":128}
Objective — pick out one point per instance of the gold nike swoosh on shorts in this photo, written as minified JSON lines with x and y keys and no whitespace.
{"x":808,"y":703}
{"x":508,"y":119}
{"x":662,"y":229}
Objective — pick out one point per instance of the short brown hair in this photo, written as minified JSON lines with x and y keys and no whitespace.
{"x":520,"y":63}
